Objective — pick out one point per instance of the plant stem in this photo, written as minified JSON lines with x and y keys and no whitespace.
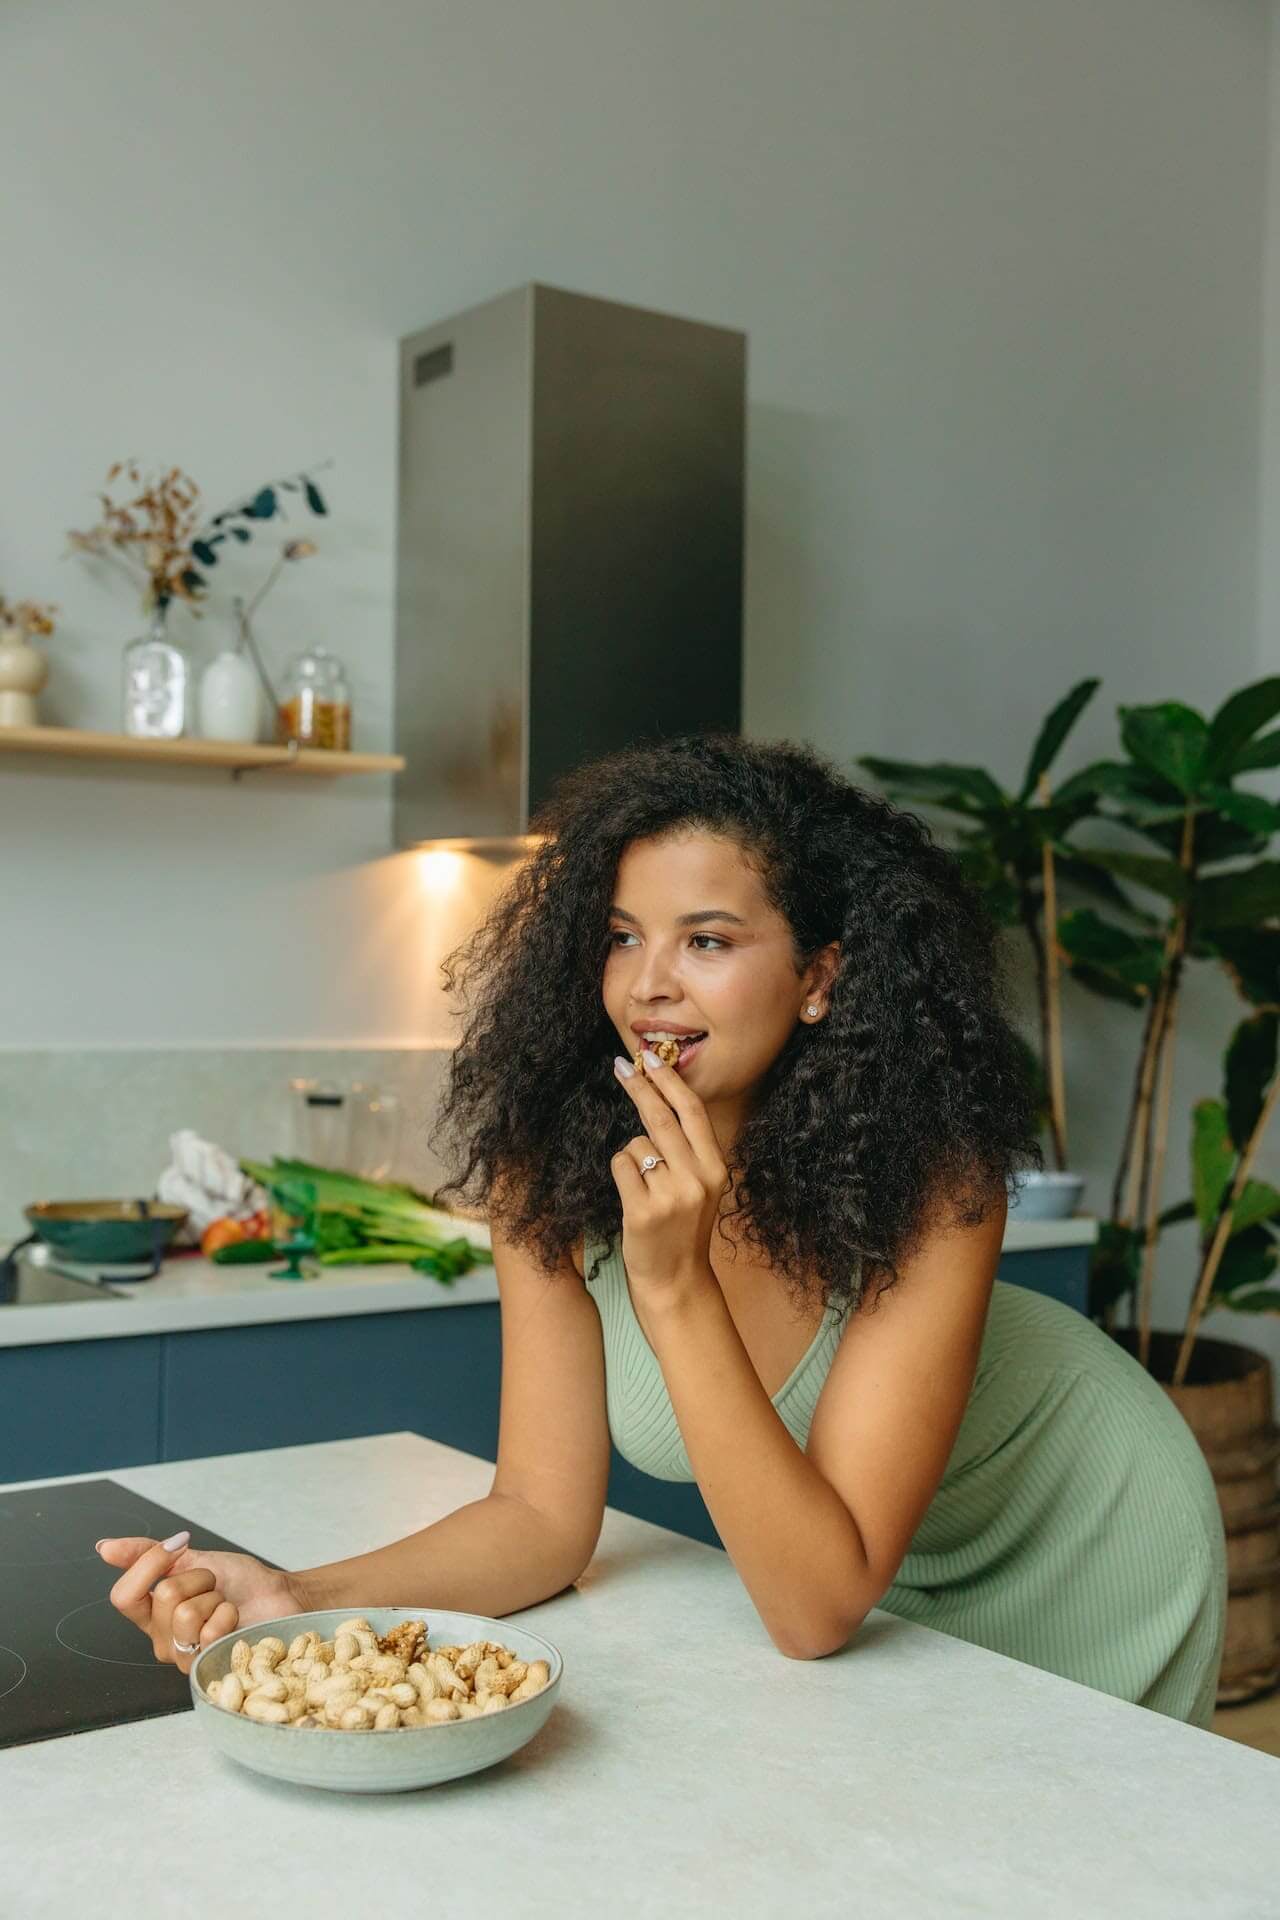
{"x":1213,"y":1258}
{"x":1126,"y":1151}
{"x":1052,"y":996}
{"x":1153,"y":1169}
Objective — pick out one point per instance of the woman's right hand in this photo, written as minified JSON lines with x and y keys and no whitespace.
{"x":182,"y":1594}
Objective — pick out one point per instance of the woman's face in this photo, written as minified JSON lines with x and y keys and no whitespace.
{"x":694,"y":946}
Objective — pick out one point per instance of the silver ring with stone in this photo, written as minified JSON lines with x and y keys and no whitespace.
{"x":650,"y":1161}
{"x":180,"y":1646}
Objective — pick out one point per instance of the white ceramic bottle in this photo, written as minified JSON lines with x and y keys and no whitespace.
{"x":230,"y":706}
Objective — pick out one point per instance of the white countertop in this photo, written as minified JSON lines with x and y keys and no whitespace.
{"x":687,"y":1769}
{"x":190,"y":1293}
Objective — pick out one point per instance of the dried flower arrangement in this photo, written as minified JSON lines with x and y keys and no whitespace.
{"x":162,"y":541}
{"x":26,"y":617}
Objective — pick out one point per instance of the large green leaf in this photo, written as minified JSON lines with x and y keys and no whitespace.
{"x":1236,"y":722}
{"x":1054,"y":732}
{"x":1101,"y":886}
{"x":1240,"y":899}
{"x":1175,"y":1215}
{"x":1119,"y":780}
{"x":1252,"y":958}
{"x":959,"y":789}
{"x":1216,"y":838}
{"x":1213,"y":1160}
{"x":1170,"y":739}
{"x":1134,"y":959}
{"x":1114,"y":1265}
{"x":1164,"y":877}
{"x":1264,"y":1300}
{"x":1106,"y":985}
{"x":1248,"y":1261}
{"x":1257,"y":1203}
{"x":1248,"y":810}
{"x":1260,"y":753}
{"x":1249,"y":1069}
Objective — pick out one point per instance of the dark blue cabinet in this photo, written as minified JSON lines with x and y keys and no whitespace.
{"x":235,"y":1389}
{"x":88,"y":1405}
{"x":78,"y":1405}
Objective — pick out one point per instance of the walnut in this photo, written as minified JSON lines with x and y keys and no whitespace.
{"x":407,"y":1641}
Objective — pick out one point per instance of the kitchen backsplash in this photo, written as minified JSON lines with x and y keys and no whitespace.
{"x":82,"y":1125}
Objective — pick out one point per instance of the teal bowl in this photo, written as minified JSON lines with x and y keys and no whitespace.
{"x":399,"y":1761}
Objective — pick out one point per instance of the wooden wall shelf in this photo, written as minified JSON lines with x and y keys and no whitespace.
{"x":75,"y":743}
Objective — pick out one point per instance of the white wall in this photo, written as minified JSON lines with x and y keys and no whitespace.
{"x":1000,"y":262}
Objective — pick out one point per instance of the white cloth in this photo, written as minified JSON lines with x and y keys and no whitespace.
{"x":206,"y":1180}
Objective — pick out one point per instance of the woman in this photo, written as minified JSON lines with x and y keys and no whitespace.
{"x":770,"y":1265}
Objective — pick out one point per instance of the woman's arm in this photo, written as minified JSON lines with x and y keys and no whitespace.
{"x":818,"y":1536}
{"x":536,"y":1529}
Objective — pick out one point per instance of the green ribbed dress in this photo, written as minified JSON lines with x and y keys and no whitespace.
{"x":1075,"y":1526}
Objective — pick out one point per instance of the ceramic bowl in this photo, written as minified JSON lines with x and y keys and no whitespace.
{"x":394,"y":1762}
{"x":1045,"y":1196}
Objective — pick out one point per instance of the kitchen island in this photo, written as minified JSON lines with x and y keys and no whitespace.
{"x":688,"y":1768}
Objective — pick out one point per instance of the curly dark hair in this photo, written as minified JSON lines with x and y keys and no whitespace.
{"x":910,"y":1100}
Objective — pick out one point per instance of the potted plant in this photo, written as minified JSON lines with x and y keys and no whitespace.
{"x":160,"y":538}
{"x":1011,"y":847}
{"x":23,"y":667}
{"x":1177,"y":790}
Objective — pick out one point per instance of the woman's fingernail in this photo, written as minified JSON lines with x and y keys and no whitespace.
{"x":623,"y":1068}
{"x":651,"y":1061}
{"x":178,"y":1540}
{"x":98,"y":1544}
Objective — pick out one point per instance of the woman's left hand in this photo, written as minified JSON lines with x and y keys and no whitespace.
{"x":669,"y":1213}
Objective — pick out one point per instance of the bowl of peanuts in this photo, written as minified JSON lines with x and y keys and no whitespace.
{"x":308,"y":1698}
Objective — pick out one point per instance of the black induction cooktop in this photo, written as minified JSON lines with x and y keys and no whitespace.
{"x":68,"y":1661}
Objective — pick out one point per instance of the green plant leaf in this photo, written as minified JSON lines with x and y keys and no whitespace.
{"x":1260,"y":753}
{"x":1054,"y":732}
{"x":1175,"y":1215}
{"x":961,"y":789}
{"x":1213,"y":1160}
{"x":1248,"y":1260}
{"x":1114,"y":1266}
{"x":1257,"y":1203}
{"x":1079,"y":874}
{"x":262,"y":506}
{"x":1264,"y":1300}
{"x":202,"y":550}
{"x":1106,"y":986}
{"x":1118,"y":780}
{"x":1239,"y":899}
{"x":1216,"y":838}
{"x":1136,"y":960}
{"x":1249,"y":1069}
{"x":1236,"y":722}
{"x":1165,"y":877}
{"x":315,"y":499}
{"x":1252,"y":959}
{"x":1169,"y":739}
{"x":1248,"y":810}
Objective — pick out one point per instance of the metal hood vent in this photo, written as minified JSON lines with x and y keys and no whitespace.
{"x":569,"y":550}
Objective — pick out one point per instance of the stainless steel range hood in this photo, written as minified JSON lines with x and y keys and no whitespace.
{"x":569,"y":550}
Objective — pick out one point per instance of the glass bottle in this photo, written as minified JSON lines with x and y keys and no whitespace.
{"x":315,"y":701}
{"x":157,"y":682}
{"x":229,"y":697}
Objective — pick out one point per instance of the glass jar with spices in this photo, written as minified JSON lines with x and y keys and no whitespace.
{"x":315,"y":701}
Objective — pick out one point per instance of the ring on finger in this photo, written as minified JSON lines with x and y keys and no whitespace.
{"x":180,"y":1646}
{"x":650,"y":1161}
